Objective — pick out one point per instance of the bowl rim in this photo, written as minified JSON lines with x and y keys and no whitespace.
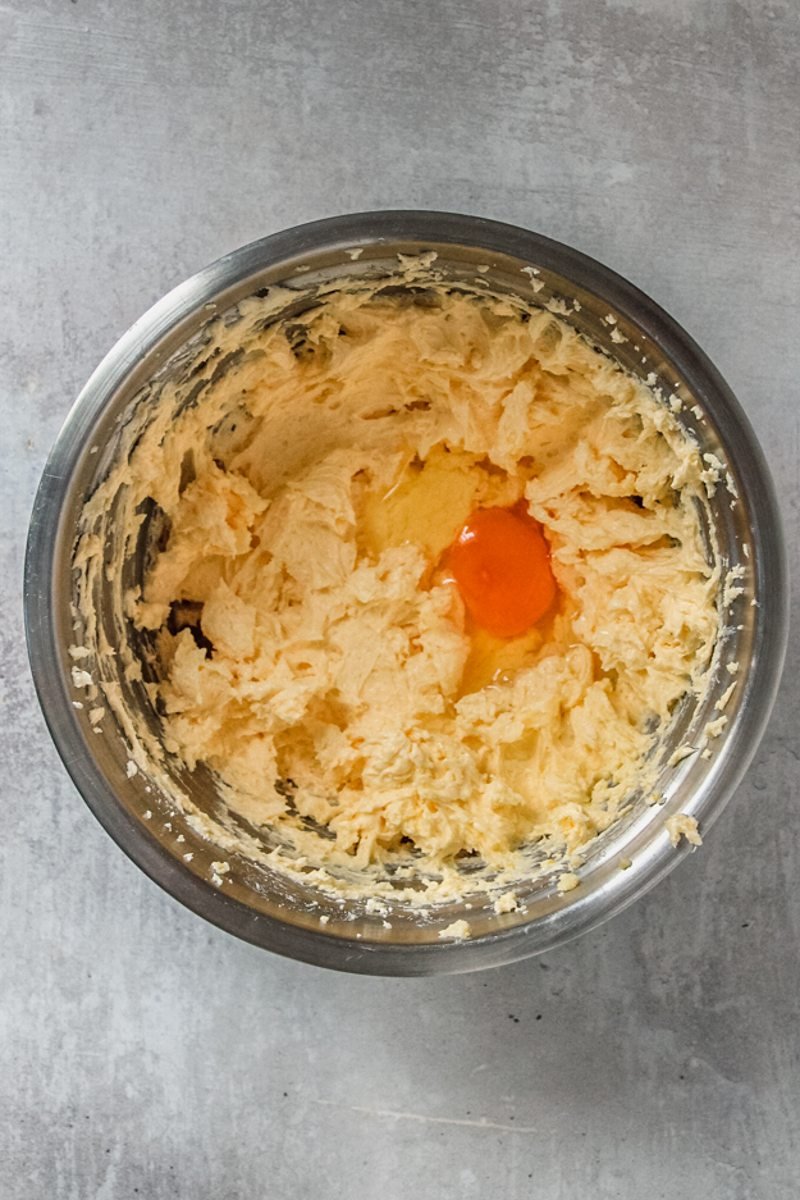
{"x":338,"y":234}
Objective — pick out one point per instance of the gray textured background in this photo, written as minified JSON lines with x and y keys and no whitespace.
{"x":146,"y":1054}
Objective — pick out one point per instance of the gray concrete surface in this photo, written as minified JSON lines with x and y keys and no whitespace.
{"x":145,"y":1054}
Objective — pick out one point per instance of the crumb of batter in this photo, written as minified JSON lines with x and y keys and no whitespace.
{"x":567,"y":881}
{"x":457,"y":930}
{"x":714,"y":728}
{"x":725,"y":697}
{"x":682,"y":825}
{"x":218,"y":871}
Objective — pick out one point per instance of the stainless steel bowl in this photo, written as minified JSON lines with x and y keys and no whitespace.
{"x":251,"y":900}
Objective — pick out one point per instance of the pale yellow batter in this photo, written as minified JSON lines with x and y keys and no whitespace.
{"x":313,"y":653}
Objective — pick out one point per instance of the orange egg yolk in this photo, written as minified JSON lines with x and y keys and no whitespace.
{"x":501,"y":564}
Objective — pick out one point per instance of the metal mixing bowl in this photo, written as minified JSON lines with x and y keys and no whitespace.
{"x":251,"y":900}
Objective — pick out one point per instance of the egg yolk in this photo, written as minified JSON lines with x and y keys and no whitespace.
{"x":501,"y":564}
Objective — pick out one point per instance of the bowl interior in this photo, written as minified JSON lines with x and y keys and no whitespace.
{"x":174,"y":820}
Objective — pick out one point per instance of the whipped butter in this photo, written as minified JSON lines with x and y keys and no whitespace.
{"x":308,"y":648}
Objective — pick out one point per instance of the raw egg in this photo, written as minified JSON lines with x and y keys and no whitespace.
{"x":500,"y":562}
